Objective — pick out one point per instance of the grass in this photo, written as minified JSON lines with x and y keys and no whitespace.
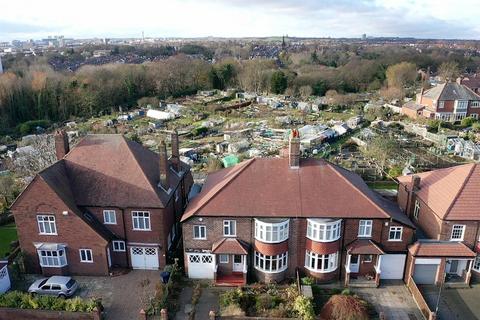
{"x":8,"y":233}
{"x":390,"y":185}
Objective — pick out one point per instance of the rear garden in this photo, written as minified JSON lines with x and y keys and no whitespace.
{"x":8,"y":233}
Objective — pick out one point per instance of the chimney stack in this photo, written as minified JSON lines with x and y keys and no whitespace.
{"x":163,"y":166}
{"x":62,"y":146}
{"x":416,"y":183}
{"x":175,"y":151}
{"x":294,"y":149}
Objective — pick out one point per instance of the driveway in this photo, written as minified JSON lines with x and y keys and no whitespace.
{"x":393,"y":299}
{"x":455,"y":303}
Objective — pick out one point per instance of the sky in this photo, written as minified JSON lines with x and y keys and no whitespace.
{"x":35,"y":19}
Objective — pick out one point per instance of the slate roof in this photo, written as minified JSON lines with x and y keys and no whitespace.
{"x":452,"y":193}
{"x":268,"y":187}
{"x":434,"y":248}
{"x":450,"y":91}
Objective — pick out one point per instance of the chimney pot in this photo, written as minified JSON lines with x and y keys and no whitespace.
{"x":163,"y":166}
{"x":175,"y":150}
{"x":62,"y":146}
{"x":294,"y":149}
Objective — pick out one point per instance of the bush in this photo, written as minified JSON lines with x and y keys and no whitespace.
{"x":21,"y":300}
{"x":308,"y":281}
{"x":199,"y":131}
{"x":468,"y":122}
{"x":30,"y":126}
{"x":344,"y":307}
{"x":303,"y":306}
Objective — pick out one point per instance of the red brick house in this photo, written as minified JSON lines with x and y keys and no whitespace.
{"x":109,"y":202}
{"x":450,"y":101}
{"x":444,"y":204}
{"x":267,"y":217}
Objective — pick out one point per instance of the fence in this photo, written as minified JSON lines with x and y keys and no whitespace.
{"x":420,"y":300}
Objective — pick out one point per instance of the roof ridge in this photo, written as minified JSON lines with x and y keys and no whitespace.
{"x":464,"y":183}
{"x":351,"y":184}
{"x":221,"y":187}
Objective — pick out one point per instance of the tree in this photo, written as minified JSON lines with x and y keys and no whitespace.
{"x":401,"y":74}
{"x":449,"y":70}
{"x":305,"y":91}
{"x":319,"y":88}
{"x":392,"y":93}
{"x":278,"y":82}
{"x":381,"y":149}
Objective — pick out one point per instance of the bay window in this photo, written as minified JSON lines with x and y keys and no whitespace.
{"x":321,"y":262}
{"x":323,"y":230}
{"x":476,"y":264}
{"x":271,"y":231}
{"x":271,"y":264}
{"x":52,"y":258}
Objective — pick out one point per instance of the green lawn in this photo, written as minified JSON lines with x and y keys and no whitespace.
{"x":8,"y":233}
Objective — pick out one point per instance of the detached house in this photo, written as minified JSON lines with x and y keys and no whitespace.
{"x":450,"y":101}
{"x":109,"y":202}
{"x":267,"y":217}
{"x":444,"y":204}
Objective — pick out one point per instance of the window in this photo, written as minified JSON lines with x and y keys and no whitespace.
{"x":368,"y":258}
{"x":271,"y":232}
{"x":86,"y":255}
{"x":109,"y":217}
{"x":118,"y":245}
{"x":52,"y":258}
{"x":416,"y":210}
{"x":395,"y":234}
{"x":321,"y":262}
{"x":457,"y":232}
{"x":476,"y":263}
{"x":475,"y":104}
{"x":365,"y":228}
{"x":461,"y":104}
{"x":199,"y":232}
{"x":224,"y":258}
{"x":229,"y":228}
{"x":46,"y":224}
{"x":441,"y":104}
{"x":474,"y":115}
{"x":141,"y":220}
{"x":271,"y":264}
{"x":323,"y":230}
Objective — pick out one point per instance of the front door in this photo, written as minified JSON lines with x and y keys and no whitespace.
{"x":453,"y":266}
{"x":354,"y":263}
{"x":237,"y":263}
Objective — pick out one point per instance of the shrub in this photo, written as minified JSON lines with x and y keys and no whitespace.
{"x":308,"y":281}
{"x":30,"y":126}
{"x":303,"y":306}
{"x":344,"y":307}
{"x":265,"y":302}
{"x":21,"y":300}
{"x":468,"y":122}
{"x":346,"y":292}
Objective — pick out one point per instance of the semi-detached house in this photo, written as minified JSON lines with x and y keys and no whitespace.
{"x":267,"y":217}
{"x":109,"y":202}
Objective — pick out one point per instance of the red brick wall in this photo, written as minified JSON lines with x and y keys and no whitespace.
{"x":469,"y":237}
{"x":71,"y":229}
{"x":395,"y":246}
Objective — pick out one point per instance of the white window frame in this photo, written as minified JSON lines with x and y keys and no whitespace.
{"x":365,"y":228}
{"x":44,"y":220}
{"x":86,"y":255}
{"x":323,"y":231}
{"x":271,"y":232}
{"x":276,"y":264}
{"x":475,"y":104}
{"x":370,"y":258}
{"x":416,"y":209}
{"x":397,"y":231}
{"x":107,"y":215}
{"x":441,"y":104}
{"x":455,"y":228}
{"x":52,"y":258}
{"x":119,"y":246}
{"x":223,"y":258}
{"x":321,"y":263}
{"x":138,"y":216}
{"x":476,"y":263}
{"x":200,"y":236}
{"x":229,"y":228}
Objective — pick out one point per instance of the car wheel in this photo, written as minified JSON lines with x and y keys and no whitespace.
{"x":62,"y":296}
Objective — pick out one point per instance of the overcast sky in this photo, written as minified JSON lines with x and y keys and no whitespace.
{"x":25,"y":19}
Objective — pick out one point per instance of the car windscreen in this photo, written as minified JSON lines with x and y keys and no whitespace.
{"x":70,"y":283}
{"x":42,"y":283}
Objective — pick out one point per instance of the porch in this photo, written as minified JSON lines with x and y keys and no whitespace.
{"x":231,"y":262}
{"x":458,"y":272}
{"x":362,"y":267}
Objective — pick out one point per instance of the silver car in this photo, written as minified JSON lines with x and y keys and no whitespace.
{"x":57,"y":285}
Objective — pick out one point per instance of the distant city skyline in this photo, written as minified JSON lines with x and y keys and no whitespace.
{"x":437,"y":19}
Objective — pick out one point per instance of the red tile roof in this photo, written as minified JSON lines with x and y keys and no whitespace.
{"x":434,"y":248}
{"x":268,"y":187}
{"x":364,"y":246}
{"x":229,"y":246}
{"x":452,"y":193}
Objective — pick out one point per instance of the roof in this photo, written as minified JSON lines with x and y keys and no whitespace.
{"x":413,"y":106}
{"x":364,"y":246}
{"x":434,"y":248}
{"x":229,"y":246}
{"x":268,"y":187}
{"x":451,"y":193}
{"x":450,"y":91}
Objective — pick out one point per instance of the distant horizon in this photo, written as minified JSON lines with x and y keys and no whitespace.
{"x":419,"y":19}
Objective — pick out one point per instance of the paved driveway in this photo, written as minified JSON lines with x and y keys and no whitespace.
{"x":461,"y":304}
{"x":122,"y":296}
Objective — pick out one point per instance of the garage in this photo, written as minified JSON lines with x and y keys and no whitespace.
{"x":425,"y":271}
{"x":392,"y":266}
{"x":144,"y":258}
{"x":201,"y":265}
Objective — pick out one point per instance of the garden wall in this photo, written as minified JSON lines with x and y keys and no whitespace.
{"x":29,"y":314}
{"x":421,"y":303}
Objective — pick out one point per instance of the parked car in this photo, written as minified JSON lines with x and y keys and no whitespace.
{"x":57,"y":285}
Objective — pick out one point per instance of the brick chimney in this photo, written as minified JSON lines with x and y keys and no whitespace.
{"x":175,"y":151}
{"x":294,"y":149}
{"x":163,"y":166}
{"x":62,"y":146}
{"x":416,"y":183}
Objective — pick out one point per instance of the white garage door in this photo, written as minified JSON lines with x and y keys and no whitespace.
{"x":200,"y":265}
{"x":425,"y":273}
{"x":392,"y":266}
{"x":144,"y":258}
